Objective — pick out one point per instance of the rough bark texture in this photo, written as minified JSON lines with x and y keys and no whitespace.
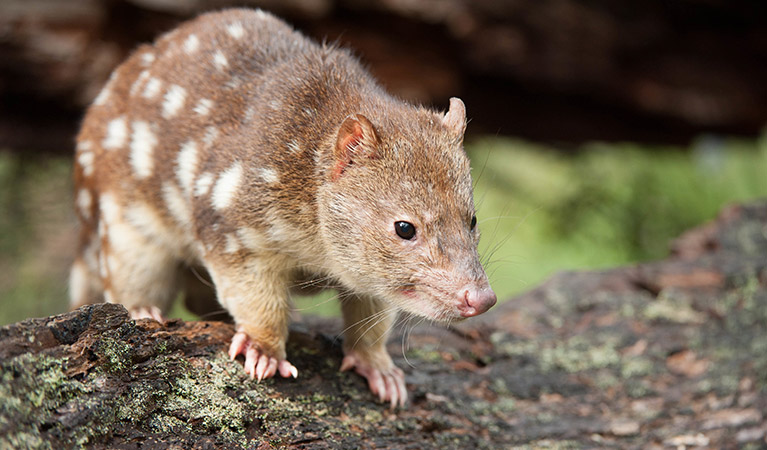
{"x":666,"y":354}
{"x":551,"y":69}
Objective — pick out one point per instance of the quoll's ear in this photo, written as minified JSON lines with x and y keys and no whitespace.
{"x":357,"y":139}
{"x":455,"y":117}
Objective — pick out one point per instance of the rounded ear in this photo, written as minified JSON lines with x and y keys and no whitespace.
{"x":357,"y":139}
{"x":455,"y":117}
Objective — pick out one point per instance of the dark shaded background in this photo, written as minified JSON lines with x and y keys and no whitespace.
{"x":553,"y":70}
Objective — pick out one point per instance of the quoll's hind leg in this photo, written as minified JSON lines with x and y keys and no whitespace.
{"x":137,"y":271}
{"x":85,"y":285}
{"x":254,"y":289}
{"x":368,"y":322}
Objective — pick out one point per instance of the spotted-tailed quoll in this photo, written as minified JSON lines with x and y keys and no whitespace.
{"x":239,"y":146}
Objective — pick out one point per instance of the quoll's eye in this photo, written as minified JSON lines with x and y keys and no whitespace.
{"x":473,"y":222}
{"x":405,"y":230}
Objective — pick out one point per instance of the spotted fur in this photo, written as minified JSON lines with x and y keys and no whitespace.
{"x":237,"y":146}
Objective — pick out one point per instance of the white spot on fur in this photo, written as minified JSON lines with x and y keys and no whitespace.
{"x":202,"y":186}
{"x":84,"y":202}
{"x":174,"y":100}
{"x":220,"y":60}
{"x":191,"y":44}
{"x":85,"y":159}
{"x":142,"y":146}
{"x":211,"y":133}
{"x":203,"y":107}
{"x":106,"y":91}
{"x":234,"y":83}
{"x":278,"y":229}
{"x":251,"y":238}
{"x":249,"y":113}
{"x":269,"y":175}
{"x":152,"y":88}
{"x":103,"y":96}
{"x":143,"y":218}
{"x":235,"y":30}
{"x":78,"y":282}
{"x":134,"y":88}
{"x":232,"y":243}
{"x":275,"y":104}
{"x":104,"y":272}
{"x":113,"y":265}
{"x":110,"y":210}
{"x":147,"y":59}
{"x":293,"y":147}
{"x":177,"y":205}
{"x":117,"y":134}
{"x":226,"y":187}
{"x":186,"y":165}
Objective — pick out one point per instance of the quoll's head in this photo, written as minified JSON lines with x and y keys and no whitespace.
{"x":397,"y":213}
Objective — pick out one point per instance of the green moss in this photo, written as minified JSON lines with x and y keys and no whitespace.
{"x":636,"y":366}
{"x":116,"y":353}
{"x":34,"y":387}
{"x":578,"y":354}
{"x":373,"y":416}
{"x":23,"y":439}
{"x":638,"y":388}
{"x":673,"y":307}
{"x":605,"y":379}
{"x":426,"y":354}
{"x":203,"y":400}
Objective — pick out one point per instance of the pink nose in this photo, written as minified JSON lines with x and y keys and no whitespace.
{"x":476,"y":300}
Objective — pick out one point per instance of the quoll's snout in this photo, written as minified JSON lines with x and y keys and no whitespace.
{"x":476,"y":299}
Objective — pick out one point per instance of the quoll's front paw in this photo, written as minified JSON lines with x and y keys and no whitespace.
{"x":388,"y":383}
{"x":259,"y":364}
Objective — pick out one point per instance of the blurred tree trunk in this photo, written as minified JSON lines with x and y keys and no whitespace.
{"x":552,"y":69}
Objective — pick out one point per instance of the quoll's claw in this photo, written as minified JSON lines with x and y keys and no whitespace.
{"x":147,"y":312}
{"x":257,"y":363}
{"x":388,"y":385}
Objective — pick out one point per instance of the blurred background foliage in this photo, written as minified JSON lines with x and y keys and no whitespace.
{"x":540,"y":210}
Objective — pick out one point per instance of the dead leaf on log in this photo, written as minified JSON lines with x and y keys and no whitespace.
{"x":732,"y":418}
{"x":695,"y":279}
{"x":687,"y":363}
{"x":624,"y":427}
{"x":685,"y":440}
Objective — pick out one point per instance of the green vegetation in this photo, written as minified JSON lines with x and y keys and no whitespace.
{"x":37,"y":230}
{"x":540,"y":211}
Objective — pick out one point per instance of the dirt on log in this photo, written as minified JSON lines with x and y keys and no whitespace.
{"x":670,"y":354}
{"x":566,"y":70}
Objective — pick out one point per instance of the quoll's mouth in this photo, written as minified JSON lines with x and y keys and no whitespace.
{"x":443,"y":305}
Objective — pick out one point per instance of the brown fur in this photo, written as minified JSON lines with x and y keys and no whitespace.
{"x":317,"y":163}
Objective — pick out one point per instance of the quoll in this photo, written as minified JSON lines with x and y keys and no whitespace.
{"x":238,"y":146}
